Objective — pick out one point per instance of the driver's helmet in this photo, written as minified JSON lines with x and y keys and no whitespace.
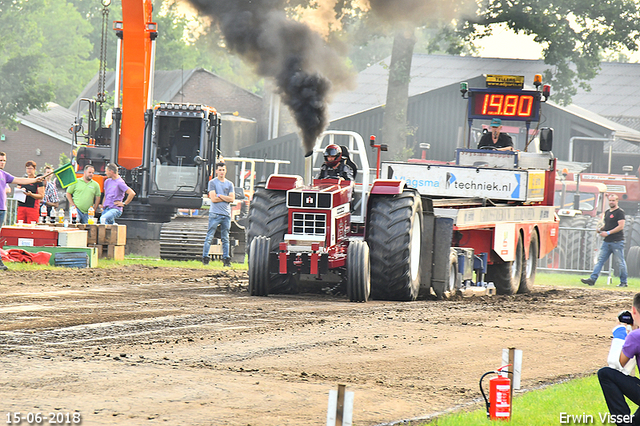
{"x":335,"y":151}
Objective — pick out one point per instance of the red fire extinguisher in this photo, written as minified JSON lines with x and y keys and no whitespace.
{"x":499,"y":403}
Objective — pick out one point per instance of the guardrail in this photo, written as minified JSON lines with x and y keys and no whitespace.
{"x":577,"y":251}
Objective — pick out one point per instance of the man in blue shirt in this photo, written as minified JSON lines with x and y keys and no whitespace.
{"x":221,"y":194}
{"x":617,"y":384}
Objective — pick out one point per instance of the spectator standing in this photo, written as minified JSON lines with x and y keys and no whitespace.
{"x":29,"y":209}
{"x":114,"y":191}
{"x":84,"y":193}
{"x":51,"y":198}
{"x":613,"y":232}
{"x":221,"y":194}
{"x":5,"y":180}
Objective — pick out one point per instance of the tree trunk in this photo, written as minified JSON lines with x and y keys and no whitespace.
{"x":394,"y":123}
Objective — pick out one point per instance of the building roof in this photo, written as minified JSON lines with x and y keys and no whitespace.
{"x":621,"y":130}
{"x":166,"y":85}
{"x":612,"y":95}
{"x":54,"y":122}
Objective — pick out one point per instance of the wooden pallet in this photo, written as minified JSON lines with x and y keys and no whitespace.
{"x":115,"y":235}
{"x":109,"y":251}
{"x":97,"y":234}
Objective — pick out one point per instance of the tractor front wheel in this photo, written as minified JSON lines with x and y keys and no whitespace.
{"x":269,"y":217}
{"x":259,"y":275}
{"x":358,"y":272}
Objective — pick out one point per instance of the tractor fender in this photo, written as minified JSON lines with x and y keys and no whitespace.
{"x":284,"y":182}
{"x":387,"y":187}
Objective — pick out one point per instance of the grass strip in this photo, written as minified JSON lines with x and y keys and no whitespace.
{"x":578,"y":401}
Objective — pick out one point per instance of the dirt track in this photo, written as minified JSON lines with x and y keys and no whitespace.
{"x":143,"y":345}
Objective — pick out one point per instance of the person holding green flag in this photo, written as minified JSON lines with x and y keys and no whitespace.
{"x":84,"y":194}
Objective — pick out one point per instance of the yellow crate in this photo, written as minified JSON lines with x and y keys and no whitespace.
{"x":72,"y":237}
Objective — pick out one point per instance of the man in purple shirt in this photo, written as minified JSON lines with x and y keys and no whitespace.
{"x":5,"y":179}
{"x":114,"y":191}
{"x":616,"y":384}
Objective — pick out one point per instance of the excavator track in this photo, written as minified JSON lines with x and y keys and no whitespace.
{"x":183,"y":237}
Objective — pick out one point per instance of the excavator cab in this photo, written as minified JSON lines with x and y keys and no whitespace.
{"x":182,"y":151}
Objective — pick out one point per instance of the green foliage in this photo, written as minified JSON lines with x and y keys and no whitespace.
{"x":23,"y":84}
{"x":574,"y":34}
{"x":44,"y":54}
{"x":63,"y":34}
{"x":403,"y":154}
{"x":64,"y":159}
{"x":22,"y":87}
{"x":174,"y":51}
{"x":91,"y":11}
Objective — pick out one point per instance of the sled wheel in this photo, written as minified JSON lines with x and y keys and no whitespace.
{"x":530,"y":265}
{"x":506,"y":276}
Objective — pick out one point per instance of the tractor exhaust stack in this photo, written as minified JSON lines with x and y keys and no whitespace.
{"x":308,"y":168}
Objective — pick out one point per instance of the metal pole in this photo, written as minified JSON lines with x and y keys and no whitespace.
{"x":512,"y":368}
{"x":117,"y":112}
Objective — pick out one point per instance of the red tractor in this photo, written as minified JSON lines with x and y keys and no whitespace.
{"x":369,"y":237}
{"x":422,"y":227}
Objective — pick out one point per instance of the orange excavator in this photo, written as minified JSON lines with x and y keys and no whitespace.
{"x":166,"y":152}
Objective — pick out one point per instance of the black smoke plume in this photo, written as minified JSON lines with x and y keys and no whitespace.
{"x":304,"y":68}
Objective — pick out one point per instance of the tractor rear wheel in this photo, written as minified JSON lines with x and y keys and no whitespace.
{"x":259,"y":276}
{"x":269,"y":217}
{"x":506,"y":276}
{"x":530,"y":265}
{"x":358,"y":272}
{"x":394,"y":235}
{"x":632,"y":233}
{"x":633,"y":262}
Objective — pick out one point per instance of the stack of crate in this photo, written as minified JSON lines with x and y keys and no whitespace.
{"x":110,"y":240}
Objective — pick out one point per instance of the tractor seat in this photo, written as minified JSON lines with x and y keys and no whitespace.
{"x":348,"y":162}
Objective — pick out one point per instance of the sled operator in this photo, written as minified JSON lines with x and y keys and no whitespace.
{"x":495,"y":139}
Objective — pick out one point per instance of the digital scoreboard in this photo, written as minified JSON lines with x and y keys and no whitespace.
{"x":506,"y":104}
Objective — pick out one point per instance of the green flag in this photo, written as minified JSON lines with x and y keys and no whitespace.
{"x":66,"y":175}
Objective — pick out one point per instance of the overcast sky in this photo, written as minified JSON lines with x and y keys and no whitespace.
{"x":504,"y":43}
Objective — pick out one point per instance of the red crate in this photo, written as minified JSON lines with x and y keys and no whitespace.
{"x":9,"y":236}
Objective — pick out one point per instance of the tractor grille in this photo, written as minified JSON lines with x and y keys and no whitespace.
{"x":309,"y":223}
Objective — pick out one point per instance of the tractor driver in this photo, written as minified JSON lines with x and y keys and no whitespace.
{"x":335,"y":166}
{"x":495,"y":139}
